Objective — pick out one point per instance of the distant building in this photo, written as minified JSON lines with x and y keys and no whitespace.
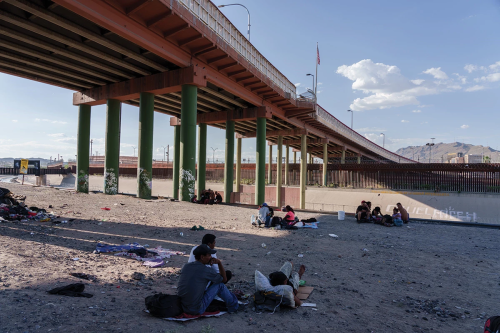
{"x":453,"y":155}
{"x":470,"y":158}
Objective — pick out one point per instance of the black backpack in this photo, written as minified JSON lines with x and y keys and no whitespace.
{"x":164,"y":306}
{"x":492,"y":325}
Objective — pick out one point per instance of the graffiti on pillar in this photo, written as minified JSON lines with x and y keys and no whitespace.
{"x":110,"y":181}
{"x":187,"y":180}
{"x":145,"y":182}
{"x":83,"y":182}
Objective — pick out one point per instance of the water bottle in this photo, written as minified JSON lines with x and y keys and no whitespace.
{"x":252,"y":219}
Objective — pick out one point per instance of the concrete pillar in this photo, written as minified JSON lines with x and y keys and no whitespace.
{"x":238,"y":164}
{"x":279,"y":171}
{"x":359,"y":158}
{"x":145,"y":151}
{"x":228,"y":167}
{"x":325,"y":164}
{"x":260,"y":162}
{"x":294,"y":157}
{"x":83,"y":149}
{"x":187,"y":170}
{"x":112,"y":154}
{"x":303,"y":170}
{"x":287,"y":159}
{"x":270,"y":166}
{"x":43,"y":180}
{"x":176,"y":162}
{"x":342,"y":159}
{"x":202,"y":158}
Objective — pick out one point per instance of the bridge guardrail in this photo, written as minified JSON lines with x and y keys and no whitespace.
{"x":31,"y":171}
{"x":210,"y":14}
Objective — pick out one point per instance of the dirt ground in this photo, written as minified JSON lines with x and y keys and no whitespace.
{"x":418,"y":278}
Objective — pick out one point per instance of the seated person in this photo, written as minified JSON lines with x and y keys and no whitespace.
{"x":192,"y":288}
{"x":194,"y":199}
{"x":218,"y":198}
{"x":263,"y":214}
{"x":290,"y":218}
{"x":286,"y":277}
{"x":404,"y":214}
{"x":362,"y":212}
{"x":209,"y":240}
{"x":211,"y":197}
{"x":377,"y":215}
{"x":396,"y":217}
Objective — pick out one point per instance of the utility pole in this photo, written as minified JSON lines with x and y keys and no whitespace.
{"x":213,"y":154}
{"x":164,"y":153}
{"x":430,"y":148}
{"x":168,"y":153}
{"x":134,"y":150}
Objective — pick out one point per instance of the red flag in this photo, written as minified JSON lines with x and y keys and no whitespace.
{"x":317,"y":51}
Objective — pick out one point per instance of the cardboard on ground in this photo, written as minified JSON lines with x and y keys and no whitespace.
{"x":304,"y":292}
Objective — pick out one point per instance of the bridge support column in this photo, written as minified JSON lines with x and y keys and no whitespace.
{"x":176,"y":161}
{"x":112,"y":155}
{"x":229,"y":166}
{"x":325,"y":164}
{"x":189,"y":98}
{"x":294,"y":162}
{"x":342,"y":159}
{"x":145,"y":151}
{"x":260,"y":162}
{"x":238,"y":164}
{"x":359,"y":158}
{"x":303,"y":170}
{"x":270,"y":166}
{"x":279,"y":171}
{"x":83,"y":149}
{"x":202,"y":158}
{"x":287,"y":164}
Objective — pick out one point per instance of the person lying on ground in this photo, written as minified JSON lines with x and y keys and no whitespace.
{"x":209,"y":240}
{"x":263,"y":214}
{"x":404,"y":214}
{"x":286,"y":276}
{"x":192,"y":287}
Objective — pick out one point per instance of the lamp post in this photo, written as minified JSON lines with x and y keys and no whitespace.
{"x":134,"y":150}
{"x":213,"y":154}
{"x":352,"y":116}
{"x":238,"y":4}
{"x":383,"y":142}
{"x":430,"y":148}
{"x":164,"y":153}
{"x":313,"y":83}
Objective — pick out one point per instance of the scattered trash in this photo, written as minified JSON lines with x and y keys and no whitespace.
{"x":264,"y":245}
{"x":181,"y":234}
{"x":300,"y":255}
{"x":333,"y":235}
{"x":302,"y":283}
{"x":76,"y":259}
{"x":106,"y":208}
{"x":365,"y":249}
{"x":309,"y":305}
{"x":268,"y":253}
{"x":100,"y":223}
{"x":199,"y":228}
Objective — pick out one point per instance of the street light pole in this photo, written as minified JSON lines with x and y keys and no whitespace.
{"x":313,"y":84}
{"x":164,"y":154}
{"x":134,"y":150}
{"x":430,"y":148}
{"x":238,"y":4}
{"x":352,"y":116}
{"x":213,"y":154}
{"x":383,"y":142}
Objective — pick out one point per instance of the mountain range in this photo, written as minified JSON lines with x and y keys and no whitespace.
{"x":441,"y":150}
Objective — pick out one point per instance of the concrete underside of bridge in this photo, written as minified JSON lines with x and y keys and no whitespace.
{"x":158,"y":56}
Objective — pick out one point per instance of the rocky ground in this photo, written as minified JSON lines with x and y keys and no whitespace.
{"x":418,"y":278}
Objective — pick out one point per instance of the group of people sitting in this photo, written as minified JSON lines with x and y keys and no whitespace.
{"x":207,"y":197}
{"x":365,"y":214}
{"x":204,"y":277}
{"x":266,"y":217}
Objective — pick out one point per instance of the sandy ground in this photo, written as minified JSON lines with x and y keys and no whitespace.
{"x":418,"y":278}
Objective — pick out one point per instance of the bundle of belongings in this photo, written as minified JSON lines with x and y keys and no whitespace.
{"x":13,"y":208}
{"x":153,"y":257}
{"x":492,"y":325}
{"x":280,"y":223}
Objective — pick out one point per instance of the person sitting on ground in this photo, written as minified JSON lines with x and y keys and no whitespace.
{"x":209,"y":240}
{"x":218,"y":198}
{"x":192,"y":288}
{"x":377,"y":215}
{"x":194,"y":199}
{"x":369,"y":213}
{"x":396,"y":217}
{"x":404,"y":214}
{"x":362,"y":212}
{"x":263,"y":214}
{"x":290,"y":218}
{"x":286,"y":276}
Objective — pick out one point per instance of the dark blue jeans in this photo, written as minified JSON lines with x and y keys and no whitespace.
{"x":220,"y":290}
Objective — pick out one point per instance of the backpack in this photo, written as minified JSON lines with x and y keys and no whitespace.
{"x":164,"y":306}
{"x":275,"y":221}
{"x":492,"y":325}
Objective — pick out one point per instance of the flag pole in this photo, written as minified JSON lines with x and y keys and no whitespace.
{"x":316,"y":77}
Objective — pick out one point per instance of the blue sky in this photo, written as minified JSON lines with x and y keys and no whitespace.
{"x":410,"y":69}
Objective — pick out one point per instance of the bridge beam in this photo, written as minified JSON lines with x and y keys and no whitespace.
{"x":112,"y":154}
{"x":83,"y":149}
{"x":158,"y":84}
{"x":286,"y":132}
{"x":145,"y":151}
{"x":239,"y":114}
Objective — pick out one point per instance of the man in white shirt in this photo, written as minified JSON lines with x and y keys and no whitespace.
{"x":209,"y":240}
{"x":263,"y":213}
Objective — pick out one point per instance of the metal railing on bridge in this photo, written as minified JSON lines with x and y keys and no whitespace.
{"x":31,"y":171}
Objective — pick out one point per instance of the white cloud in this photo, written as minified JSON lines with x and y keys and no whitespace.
{"x":370,"y":129}
{"x":387,"y":87}
{"x":470,"y":68}
{"x":437,"y":73}
{"x":297,"y":85}
{"x":320,"y":83}
{"x":14,"y":120}
{"x":474,"y":88}
{"x":495,"y":67}
{"x":405,"y":121}
{"x":489,"y":78}
{"x":464,"y":126}
{"x":51,"y":121}
{"x":462,"y":79}
{"x":57,"y":135}
{"x":416,"y":111}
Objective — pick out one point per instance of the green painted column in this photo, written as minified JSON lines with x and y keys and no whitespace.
{"x":83,"y":149}
{"x":260,"y":162}
{"x":238,"y":164}
{"x":325,"y":164}
{"x":303,"y":170}
{"x":287,"y":163}
{"x":229,"y":165}
{"x":187,"y":170}
{"x":342,"y":159}
{"x":145,"y":151}
{"x":270,"y":166}
{"x":202,"y":158}
{"x":359,"y":158}
{"x":176,"y":162}
{"x":279,"y":171}
{"x":112,"y":155}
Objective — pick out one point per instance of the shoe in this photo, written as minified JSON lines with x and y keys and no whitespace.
{"x":241,"y":308}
